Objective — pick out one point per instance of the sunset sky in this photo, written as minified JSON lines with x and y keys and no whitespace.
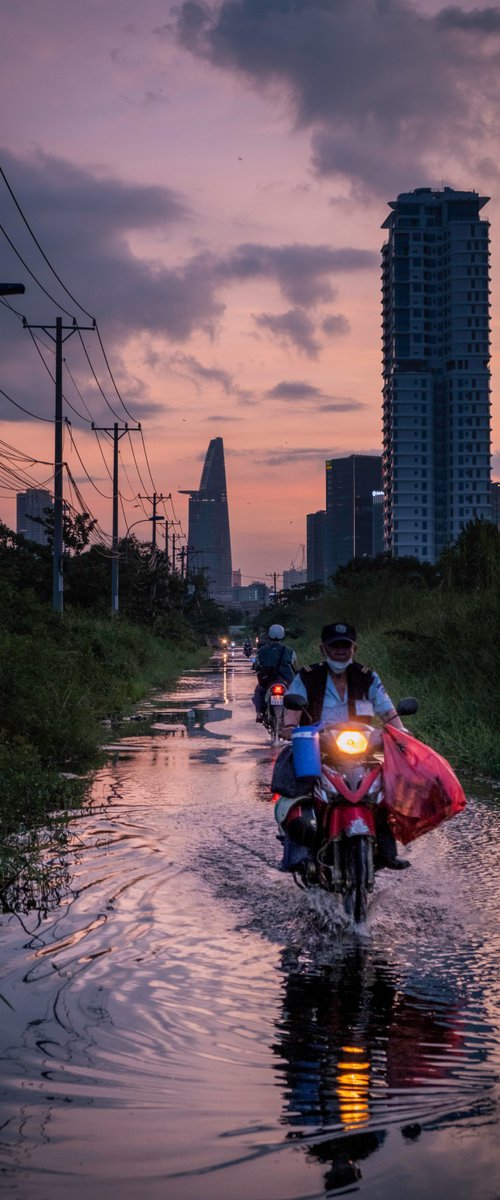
{"x":209,"y":182}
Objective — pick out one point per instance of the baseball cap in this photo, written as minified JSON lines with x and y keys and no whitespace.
{"x":338,"y":633}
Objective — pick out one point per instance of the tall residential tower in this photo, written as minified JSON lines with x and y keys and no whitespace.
{"x":435,"y":288}
{"x":209,"y":542}
{"x":350,"y":483}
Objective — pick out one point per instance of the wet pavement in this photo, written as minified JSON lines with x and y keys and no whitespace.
{"x":185,"y":1023}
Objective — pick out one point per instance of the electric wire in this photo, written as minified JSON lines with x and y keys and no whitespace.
{"x":103,"y":394}
{"x":49,"y":372}
{"x":113,"y":381}
{"x":82,"y":464}
{"x":155,"y":489}
{"x":33,"y":276}
{"x":35,"y":416}
{"x":141,"y":481}
{"x":42,"y":252}
{"x":75,"y":385}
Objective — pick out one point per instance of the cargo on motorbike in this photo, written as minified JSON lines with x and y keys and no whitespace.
{"x":336,"y":801}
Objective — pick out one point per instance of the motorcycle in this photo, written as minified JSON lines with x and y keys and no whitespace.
{"x":274,"y":710}
{"x":330,"y":832}
{"x":247,"y":648}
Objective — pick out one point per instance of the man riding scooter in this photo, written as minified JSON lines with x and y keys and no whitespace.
{"x":339,"y":688}
{"x":275,"y":663}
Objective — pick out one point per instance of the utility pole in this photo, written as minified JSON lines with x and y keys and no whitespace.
{"x":274,"y":576}
{"x":170,"y":525}
{"x":115,"y":433}
{"x":154,"y":500}
{"x":183,"y":556}
{"x":57,"y":549}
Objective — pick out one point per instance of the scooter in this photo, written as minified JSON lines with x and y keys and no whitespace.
{"x":330,"y":832}
{"x":274,"y":711}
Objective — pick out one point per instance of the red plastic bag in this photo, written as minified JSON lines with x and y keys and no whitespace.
{"x":420,"y":788}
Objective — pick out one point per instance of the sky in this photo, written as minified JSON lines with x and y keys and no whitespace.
{"x":209,"y":181}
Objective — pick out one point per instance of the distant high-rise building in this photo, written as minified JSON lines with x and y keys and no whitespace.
{"x":350,"y":483}
{"x":435,"y":289}
{"x":316,"y":523}
{"x":294,"y":577}
{"x":209,"y":538}
{"x":495,"y":504}
{"x":30,"y":504}
{"x":377,"y":522}
{"x":236,"y":578}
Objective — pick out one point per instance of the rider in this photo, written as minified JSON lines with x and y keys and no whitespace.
{"x":274,"y":663}
{"x":339,"y":688}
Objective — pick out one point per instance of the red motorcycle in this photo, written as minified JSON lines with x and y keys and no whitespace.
{"x":332,"y":828}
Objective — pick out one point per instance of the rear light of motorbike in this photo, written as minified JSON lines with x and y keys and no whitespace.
{"x":278,"y":690}
{"x":351,"y":741}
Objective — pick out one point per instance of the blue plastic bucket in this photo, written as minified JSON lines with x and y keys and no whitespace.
{"x":306,"y":752}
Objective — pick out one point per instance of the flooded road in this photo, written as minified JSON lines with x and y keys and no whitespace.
{"x":185,"y":1024}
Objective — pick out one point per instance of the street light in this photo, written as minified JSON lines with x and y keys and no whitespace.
{"x":12,"y":289}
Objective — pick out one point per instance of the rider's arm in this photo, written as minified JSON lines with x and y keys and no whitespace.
{"x":292,"y":719}
{"x":382,"y":703}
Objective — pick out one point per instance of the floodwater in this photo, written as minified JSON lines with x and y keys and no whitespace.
{"x":185,"y":1024}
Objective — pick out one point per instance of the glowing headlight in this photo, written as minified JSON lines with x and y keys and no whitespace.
{"x":351,"y":741}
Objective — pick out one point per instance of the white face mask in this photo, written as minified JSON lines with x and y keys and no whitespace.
{"x":338,"y":667}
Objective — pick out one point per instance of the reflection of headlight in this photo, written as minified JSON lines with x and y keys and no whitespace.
{"x":351,"y":741}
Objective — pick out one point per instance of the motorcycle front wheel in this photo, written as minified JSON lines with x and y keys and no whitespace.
{"x":358,"y":854}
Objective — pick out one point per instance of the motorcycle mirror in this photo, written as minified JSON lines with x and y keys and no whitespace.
{"x":296,"y":703}
{"x":407,"y":707}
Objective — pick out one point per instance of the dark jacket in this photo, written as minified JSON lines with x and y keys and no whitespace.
{"x":314,"y":678}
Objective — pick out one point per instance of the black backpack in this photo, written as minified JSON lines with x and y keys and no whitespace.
{"x":274,"y":662}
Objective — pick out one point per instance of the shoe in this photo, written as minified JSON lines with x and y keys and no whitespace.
{"x":259,"y":718}
{"x":395,"y":864}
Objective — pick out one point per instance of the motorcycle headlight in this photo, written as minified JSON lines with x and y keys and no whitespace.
{"x":351,"y":741}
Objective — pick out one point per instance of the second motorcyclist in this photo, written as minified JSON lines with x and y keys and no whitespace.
{"x":275,"y":663}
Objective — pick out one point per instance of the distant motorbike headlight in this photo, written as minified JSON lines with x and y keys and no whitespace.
{"x":351,"y":741}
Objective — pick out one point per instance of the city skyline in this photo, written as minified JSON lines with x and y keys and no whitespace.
{"x":219,"y":211}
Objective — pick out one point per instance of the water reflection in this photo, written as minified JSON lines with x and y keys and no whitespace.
{"x":359,"y":1050}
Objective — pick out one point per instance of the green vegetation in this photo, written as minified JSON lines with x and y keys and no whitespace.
{"x":431,"y":632}
{"x":61,"y":677}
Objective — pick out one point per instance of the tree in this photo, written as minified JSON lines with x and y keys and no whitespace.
{"x":77,"y":529}
{"x":472,"y":563}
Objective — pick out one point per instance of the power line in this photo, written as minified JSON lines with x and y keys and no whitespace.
{"x":77,"y":389}
{"x":42,"y":252}
{"x":33,"y":276}
{"x":49,"y":372}
{"x":103,"y":394}
{"x":82,"y":464}
{"x":24,"y":410}
{"x":147,"y":461}
{"x":113,"y":381}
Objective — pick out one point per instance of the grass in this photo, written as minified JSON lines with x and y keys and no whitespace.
{"x":60,"y":680}
{"x":442,"y":647}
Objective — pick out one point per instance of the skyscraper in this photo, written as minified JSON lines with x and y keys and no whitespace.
{"x":316,"y":546}
{"x":350,"y":483}
{"x":435,"y":286}
{"x":209,"y":538}
{"x":29,"y":504}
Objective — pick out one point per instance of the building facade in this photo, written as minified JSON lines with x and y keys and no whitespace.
{"x":436,"y":406}
{"x":316,"y":524}
{"x":294,"y":577}
{"x":30,"y":504}
{"x":350,"y":483}
{"x":378,"y":544}
{"x":209,"y":537}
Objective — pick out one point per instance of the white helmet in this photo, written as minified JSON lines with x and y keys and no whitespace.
{"x":276,"y":632}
